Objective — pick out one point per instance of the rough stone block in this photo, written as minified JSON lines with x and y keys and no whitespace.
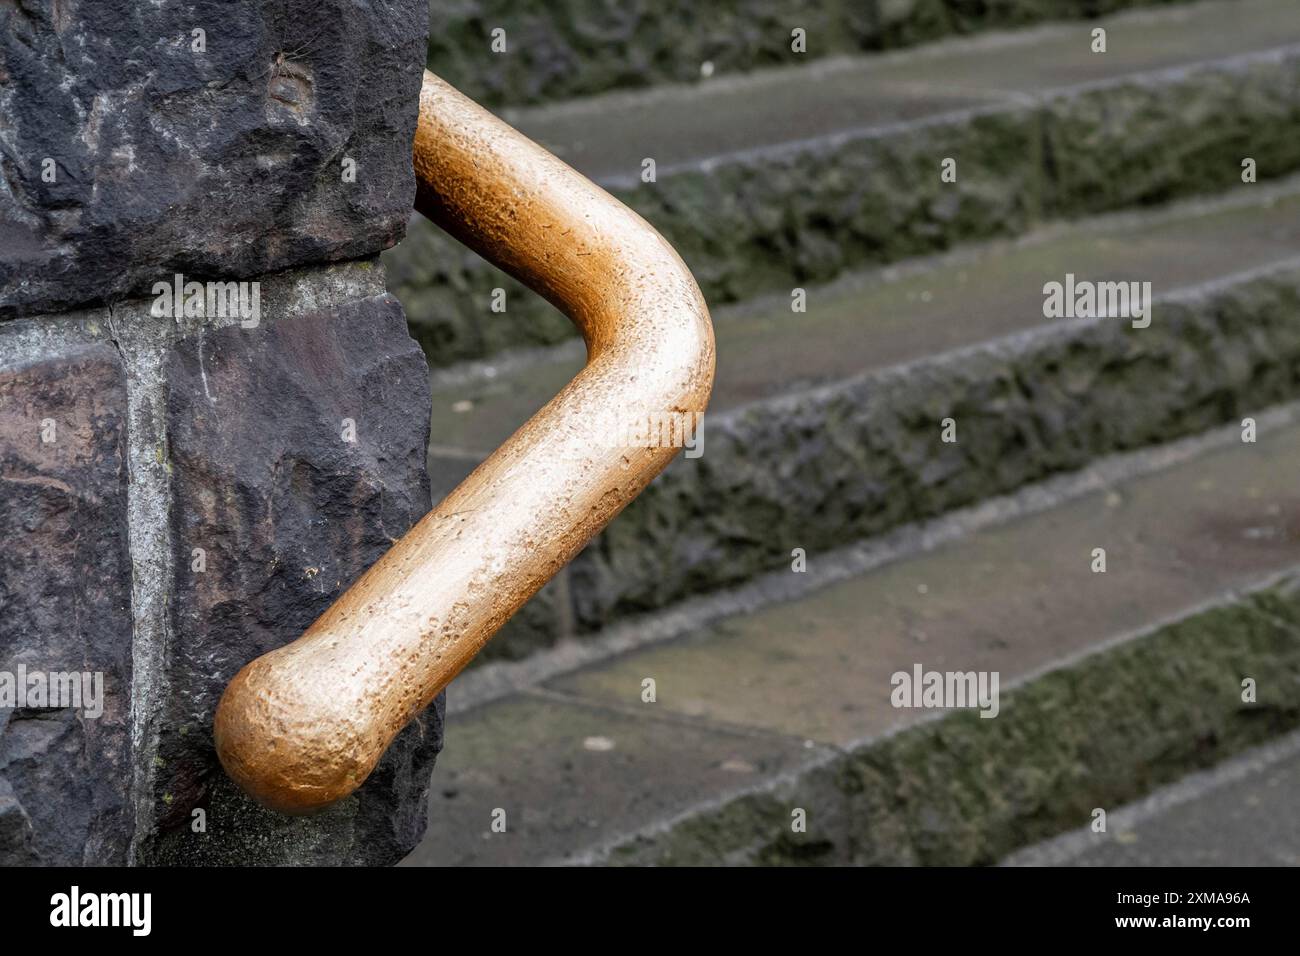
{"x":134,"y":147}
{"x":65,"y":594}
{"x":296,"y":453}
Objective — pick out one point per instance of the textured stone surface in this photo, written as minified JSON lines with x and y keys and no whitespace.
{"x":882,"y":317}
{"x":567,"y":771}
{"x":132,"y":149}
{"x":966,"y":791}
{"x":580,"y":47}
{"x":157,"y":149}
{"x":1013,"y":598}
{"x":1014,"y":595}
{"x":607,"y":137}
{"x":1247,"y":821}
{"x":234,"y":441}
{"x":288,"y":513}
{"x":805,"y":212}
{"x":65,"y":592}
{"x":836,"y":465}
{"x":855,"y":449}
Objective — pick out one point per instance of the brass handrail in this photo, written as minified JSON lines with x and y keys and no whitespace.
{"x":304,"y":725}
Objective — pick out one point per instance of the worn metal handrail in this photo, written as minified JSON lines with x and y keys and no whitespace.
{"x":304,"y":725}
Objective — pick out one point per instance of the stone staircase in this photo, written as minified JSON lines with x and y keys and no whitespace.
{"x":594,"y":46}
{"x":945,"y":459}
{"x":791,"y":177}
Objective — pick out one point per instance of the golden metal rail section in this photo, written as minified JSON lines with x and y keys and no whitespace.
{"x":304,"y":725}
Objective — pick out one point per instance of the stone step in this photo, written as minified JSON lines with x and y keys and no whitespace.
{"x":584,"y":47}
{"x":826,"y":427}
{"x":1109,"y":685}
{"x":1240,"y":813}
{"x":789,"y":177}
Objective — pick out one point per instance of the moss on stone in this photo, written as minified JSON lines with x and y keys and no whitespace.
{"x":962,"y":790}
{"x":765,"y":224}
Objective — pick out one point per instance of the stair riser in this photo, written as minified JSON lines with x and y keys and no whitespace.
{"x":803,"y":217}
{"x":1099,"y":732}
{"x":583,"y":47}
{"x":838,"y":464}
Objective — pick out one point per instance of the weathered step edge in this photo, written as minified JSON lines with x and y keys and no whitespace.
{"x":807,"y":212}
{"x":500,"y":678}
{"x":843,"y":462}
{"x":1099,"y":731}
{"x":1250,"y":768}
{"x":579,"y":49}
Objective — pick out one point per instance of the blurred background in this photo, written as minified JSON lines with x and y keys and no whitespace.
{"x":908,"y":466}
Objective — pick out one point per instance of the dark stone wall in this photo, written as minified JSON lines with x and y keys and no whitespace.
{"x":171,"y":440}
{"x":226,"y":161}
{"x":287,"y":514}
{"x":65,"y":594}
{"x":206,"y":434}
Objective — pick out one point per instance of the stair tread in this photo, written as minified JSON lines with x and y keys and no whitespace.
{"x":539,"y":760}
{"x":896,"y":315}
{"x":607,"y":137}
{"x":1017,"y":598}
